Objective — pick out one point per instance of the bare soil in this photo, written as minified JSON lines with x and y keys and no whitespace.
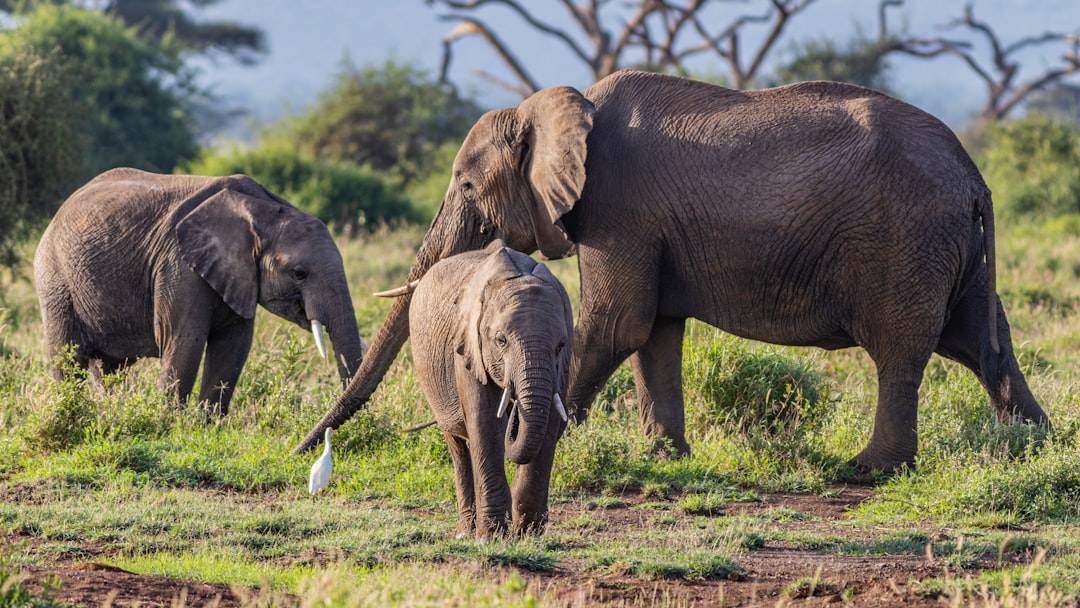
{"x":861,"y":581}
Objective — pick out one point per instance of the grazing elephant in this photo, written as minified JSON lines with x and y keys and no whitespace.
{"x":813,"y":214}
{"x":137,"y":264}
{"x":491,"y":342}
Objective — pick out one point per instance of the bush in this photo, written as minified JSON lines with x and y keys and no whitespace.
{"x":753,"y":390}
{"x":132,"y":95}
{"x":346,"y":196}
{"x":1031,"y":166}
{"x":38,"y":163}
{"x":393,"y":118}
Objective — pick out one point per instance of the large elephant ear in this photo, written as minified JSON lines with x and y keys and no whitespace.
{"x":555,"y":124}
{"x":218,"y":240}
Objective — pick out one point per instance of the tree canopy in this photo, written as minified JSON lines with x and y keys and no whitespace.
{"x":391,"y":118}
{"x":157,"y":20}
{"x":83,"y":93}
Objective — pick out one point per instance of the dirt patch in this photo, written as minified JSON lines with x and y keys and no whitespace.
{"x":92,"y":584}
{"x":765,"y":571}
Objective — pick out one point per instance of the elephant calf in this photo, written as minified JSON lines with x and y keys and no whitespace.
{"x":491,"y":341}
{"x":138,"y":264}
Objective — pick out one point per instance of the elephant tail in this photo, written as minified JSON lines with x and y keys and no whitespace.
{"x":986,"y":211}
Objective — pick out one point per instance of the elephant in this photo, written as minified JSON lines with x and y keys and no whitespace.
{"x":491,"y":343}
{"x":812,"y":214}
{"x":137,"y":264}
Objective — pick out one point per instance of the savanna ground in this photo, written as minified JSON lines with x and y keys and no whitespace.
{"x":117,"y":498}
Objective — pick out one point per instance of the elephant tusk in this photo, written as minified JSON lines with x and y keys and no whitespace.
{"x":503,"y":402}
{"x":317,"y":329}
{"x":400,"y":291}
{"x":559,"y":407}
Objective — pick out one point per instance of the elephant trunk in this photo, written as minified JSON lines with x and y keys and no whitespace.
{"x":451,"y":232}
{"x":348,"y":345}
{"x":338,"y":318}
{"x":527,"y":427}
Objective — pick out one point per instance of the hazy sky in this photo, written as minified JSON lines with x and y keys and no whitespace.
{"x":308,"y":41}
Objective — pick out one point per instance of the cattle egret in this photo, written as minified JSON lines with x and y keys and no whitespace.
{"x":320,"y":471}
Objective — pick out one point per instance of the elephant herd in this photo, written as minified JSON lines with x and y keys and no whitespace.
{"x":813,"y":214}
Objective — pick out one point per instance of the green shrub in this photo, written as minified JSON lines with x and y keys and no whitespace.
{"x":342,"y":195}
{"x":38,"y":163}
{"x":753,"y":390}
{"x":1031,"y":166}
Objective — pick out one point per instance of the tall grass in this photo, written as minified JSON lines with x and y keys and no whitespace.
{"x":126,"y":469}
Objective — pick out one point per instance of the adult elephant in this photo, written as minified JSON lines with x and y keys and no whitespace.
{"x":817,"y":213}
{"x":137,"y":264}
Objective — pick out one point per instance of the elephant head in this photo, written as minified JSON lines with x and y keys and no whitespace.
{"x":516,"y":176}
{"x":261,"y":250}
{"x":516,"y":332}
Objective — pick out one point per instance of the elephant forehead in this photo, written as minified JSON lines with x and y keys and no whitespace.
{"x":533,"y":305}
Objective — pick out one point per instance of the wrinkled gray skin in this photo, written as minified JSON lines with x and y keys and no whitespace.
{"x":485,"y":322}
{"x":137,"y":264}
{"x":815,"y":214}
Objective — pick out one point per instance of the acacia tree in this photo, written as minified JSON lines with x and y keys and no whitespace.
{"x":655,"y":35}
{"x":665,"y":35}
{"x":1000,"y":72}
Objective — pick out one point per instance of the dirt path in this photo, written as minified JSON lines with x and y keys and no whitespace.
{"x":767,"y":571}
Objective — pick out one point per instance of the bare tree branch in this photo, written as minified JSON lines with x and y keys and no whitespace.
{"x":1004,"y":94}
{"x":666,"y":33}
{"x":468,"y":26}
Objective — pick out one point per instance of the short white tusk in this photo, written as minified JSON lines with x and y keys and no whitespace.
{"x":400,"y":291}
{"x":363,"y":346}
{"x":317,"y":329}
{"x":504,"y":402}
{"x":560,"y":408}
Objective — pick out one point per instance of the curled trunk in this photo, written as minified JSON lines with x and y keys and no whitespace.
{"x":527,"y":428}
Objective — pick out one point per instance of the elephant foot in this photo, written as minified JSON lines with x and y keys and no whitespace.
{"x":533,"y":525}
{"x":670,"y":448}
{"x":870,"y":468}
{"x":492,"y":528}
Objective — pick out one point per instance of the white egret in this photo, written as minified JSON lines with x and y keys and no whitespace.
{"x":320,"y":471}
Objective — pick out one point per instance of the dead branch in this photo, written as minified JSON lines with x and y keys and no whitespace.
{"x":665,"y":32}
{"x":1000,"y":71}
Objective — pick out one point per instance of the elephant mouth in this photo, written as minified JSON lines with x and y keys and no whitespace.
{"x":508,"y":406}
{"x":513,"y":425}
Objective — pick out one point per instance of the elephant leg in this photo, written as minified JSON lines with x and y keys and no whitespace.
{"x":179,"y":365}
{"x":226,"y":351}
{"x":966,"y":341}
{"x":105,"y":366}
{"x":486,"y":453}
{"x":63,"y":329}
{"x":657,"y":368}
{"x":531,"y":483}
{"x":463,"y":484}
{"x":618,"y":308}
{"x":894,"y":439}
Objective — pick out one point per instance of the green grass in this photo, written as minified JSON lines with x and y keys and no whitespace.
{"x":126,"y":477}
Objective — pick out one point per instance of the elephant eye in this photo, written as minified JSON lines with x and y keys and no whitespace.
{"x":559,"y":348}
{"x":500,"y":340}
{"x":299,"y":273}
